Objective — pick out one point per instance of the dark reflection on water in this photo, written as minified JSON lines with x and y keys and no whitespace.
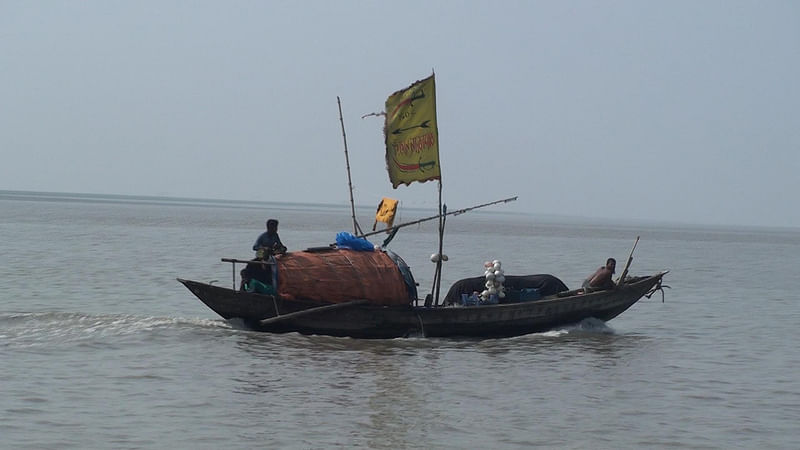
{"x":374,"y":378}
{"x":395,"y":392}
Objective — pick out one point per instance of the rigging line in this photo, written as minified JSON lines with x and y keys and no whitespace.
{"x":658,"y":287}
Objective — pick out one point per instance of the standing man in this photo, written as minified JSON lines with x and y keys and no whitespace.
{"x":269,"y":242}
{"x":601,"y":279}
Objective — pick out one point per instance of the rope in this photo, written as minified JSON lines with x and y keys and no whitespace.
{"x":658,"y":287}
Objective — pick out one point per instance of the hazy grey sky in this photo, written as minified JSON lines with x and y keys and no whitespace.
{"x":685,"y":111}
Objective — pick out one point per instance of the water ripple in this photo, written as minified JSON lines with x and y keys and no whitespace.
{"x":60,"y":328}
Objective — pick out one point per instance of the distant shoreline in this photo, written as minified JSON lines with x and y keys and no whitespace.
{"x":147,"y":199}
{"x":43,"y":196}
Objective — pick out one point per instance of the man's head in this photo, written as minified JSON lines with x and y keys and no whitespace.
{"x":272,"y":225}
{"x":611,"y":264}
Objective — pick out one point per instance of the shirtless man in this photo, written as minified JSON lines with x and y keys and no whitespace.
{"x":601,"y":279}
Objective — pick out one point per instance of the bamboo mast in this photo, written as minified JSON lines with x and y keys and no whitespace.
{"x":437,"y":278}
{"x":437,"y":281}
{"x":356,"y":227}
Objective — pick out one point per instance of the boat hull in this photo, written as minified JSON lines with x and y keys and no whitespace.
{"x":272,"y":314}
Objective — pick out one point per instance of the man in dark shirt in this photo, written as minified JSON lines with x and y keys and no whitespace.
{"x":269,"y":241}
{"x":601,"y":279}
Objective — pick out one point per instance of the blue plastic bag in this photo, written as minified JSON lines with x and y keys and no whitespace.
{"x":348,"y":240}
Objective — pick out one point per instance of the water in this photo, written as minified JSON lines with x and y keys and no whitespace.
{"x":100,"y":347}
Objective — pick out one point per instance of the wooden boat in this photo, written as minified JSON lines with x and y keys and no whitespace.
{"x":372,"y":294}
{"x":359,"y":318}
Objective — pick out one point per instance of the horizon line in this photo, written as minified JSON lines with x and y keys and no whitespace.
{"x":11,"y":194}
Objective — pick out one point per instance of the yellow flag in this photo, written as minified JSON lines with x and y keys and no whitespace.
{"x":386,"y":211}
{"x":412,"y":136}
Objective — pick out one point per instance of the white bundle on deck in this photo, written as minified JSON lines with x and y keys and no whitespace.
{"x":494,"y":280}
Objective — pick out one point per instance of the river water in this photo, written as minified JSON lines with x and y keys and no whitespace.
{"x":100,"y":346}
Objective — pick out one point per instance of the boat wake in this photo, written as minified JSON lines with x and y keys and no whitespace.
{"x":589,"y":326}
{"x":47,"y":328}
{"x":593,"y":325}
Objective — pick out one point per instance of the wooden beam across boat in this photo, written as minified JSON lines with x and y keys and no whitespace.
{"x":304,"y":312}
{"x":248,"y":261}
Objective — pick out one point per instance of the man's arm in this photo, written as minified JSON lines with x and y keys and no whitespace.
{"x":258,"y":243}
{"x":278,"y":245}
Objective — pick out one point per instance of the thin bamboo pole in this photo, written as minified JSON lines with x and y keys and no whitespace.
{"x":451,"y":213}
{"x":356,"y":227}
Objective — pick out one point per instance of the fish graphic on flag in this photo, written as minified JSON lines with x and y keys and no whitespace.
{"x":412,"y":136}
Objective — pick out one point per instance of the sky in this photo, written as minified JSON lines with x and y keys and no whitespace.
{"x":679,"y":111}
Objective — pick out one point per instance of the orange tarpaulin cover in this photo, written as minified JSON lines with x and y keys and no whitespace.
{"x":339,"y":276}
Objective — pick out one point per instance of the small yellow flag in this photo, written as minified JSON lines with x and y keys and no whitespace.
{"x":386,"y":211}
{"x":412,"y":136}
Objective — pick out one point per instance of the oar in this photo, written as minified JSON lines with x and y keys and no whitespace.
{"x":304,"y":312}
{"x":627,"y":264}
